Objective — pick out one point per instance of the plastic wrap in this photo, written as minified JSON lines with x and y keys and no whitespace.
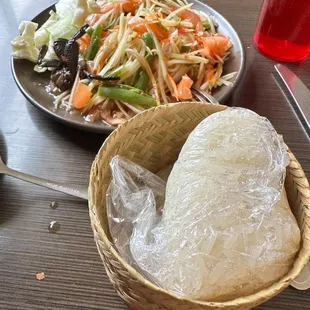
{"x":133,"y":192}
{"x":225,"y":229}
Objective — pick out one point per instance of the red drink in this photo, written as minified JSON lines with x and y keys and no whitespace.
{"x":283,"y":29}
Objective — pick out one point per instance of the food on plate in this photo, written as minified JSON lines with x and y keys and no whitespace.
{"x":226,"y":229}
{"x":110,"y":60}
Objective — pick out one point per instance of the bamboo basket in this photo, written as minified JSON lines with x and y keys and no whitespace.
{"x":154,"y":139}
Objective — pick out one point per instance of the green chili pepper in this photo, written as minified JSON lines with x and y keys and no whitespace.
{"x":93,"y":49}
{"x":127,"y":94}
{"x":108,"y":27}
{"x":206,"y":25}
{"x":94,"y":43}
{"x":142,"y":81}
{"x":90,"y":30}
{"x":148,"y":39}
{"x":117,"y":71}
{"x":98,"y":31}
{"x":185,"y":49}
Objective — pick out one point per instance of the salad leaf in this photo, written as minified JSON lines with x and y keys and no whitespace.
{"x":66,"y":7}
{"x":78,"y":10}
{"x":23,"y":46}
{"x":68,"y":18}
{"x":62,"y":28}
{"x":42,"y":34}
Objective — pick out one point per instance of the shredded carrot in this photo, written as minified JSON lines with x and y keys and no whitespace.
{"x":83,"y":47}
{"x":215,"y":45}
{"x":139,"y":25}
{"x":104,"y":34}
{"x":181,"y":30}
{"x":85,"y":38}
{"x":191,"y":16}
{"x":165,"y":41}
{"x":184,"y":88}
{"x":84,"y":42}
{"x":160,"y":33}
{"x":199,"y":39}
{"x":128,"y":7}
{"x":81,"y":96}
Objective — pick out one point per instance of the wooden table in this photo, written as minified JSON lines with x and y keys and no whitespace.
{"x":33,"y":143}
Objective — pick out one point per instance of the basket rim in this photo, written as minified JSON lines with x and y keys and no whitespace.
{"x":98,"y":229}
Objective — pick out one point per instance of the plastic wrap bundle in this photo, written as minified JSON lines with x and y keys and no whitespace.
{"x":226,"y":229}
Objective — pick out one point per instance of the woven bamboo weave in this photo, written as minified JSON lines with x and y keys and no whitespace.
{"x":153,"y":139}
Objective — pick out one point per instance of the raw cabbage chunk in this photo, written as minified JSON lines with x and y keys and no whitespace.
{"x":23,"y":46}
{"x":68,"y":18}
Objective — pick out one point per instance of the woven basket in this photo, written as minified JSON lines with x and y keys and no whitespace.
{"x":153,"y":139}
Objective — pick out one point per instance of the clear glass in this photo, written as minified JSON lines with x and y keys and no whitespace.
{"x":283,"y":30}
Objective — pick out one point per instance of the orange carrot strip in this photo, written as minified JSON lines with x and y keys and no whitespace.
{"x":160,"y":33}
{"x":215,"y":45}
{"x":139,"y":25}
{"x":184,"y":88}
{"x":85,"y":38}
{"x":128,"y":7}
{"x":191,"y":16}
{"x":81,"y":96}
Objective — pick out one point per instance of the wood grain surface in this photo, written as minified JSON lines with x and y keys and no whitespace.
{"x":33,"y":143}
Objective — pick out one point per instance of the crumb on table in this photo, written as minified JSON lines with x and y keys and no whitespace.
{"x":40,"y":276}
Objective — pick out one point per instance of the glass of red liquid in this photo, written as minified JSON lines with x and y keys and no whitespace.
{"x":283,"y":30}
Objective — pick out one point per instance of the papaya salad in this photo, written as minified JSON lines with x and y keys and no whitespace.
{"x":112,"y":59}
